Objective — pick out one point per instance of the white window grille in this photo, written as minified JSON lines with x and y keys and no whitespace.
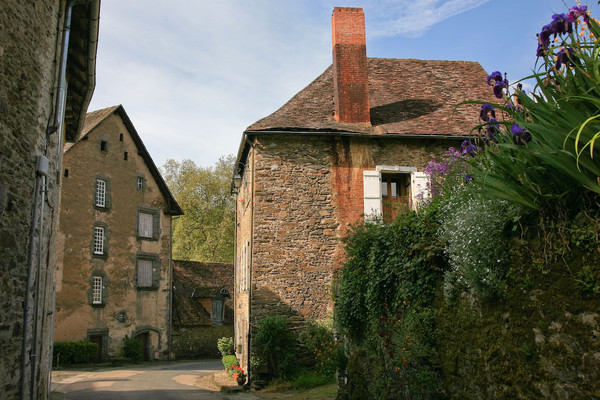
{"x":146,"y":222}
{"x":144,"y":273}
{"x":140,"y":183}
{"x":97,"y":290}
{"x":98,"y":240}
{"x":100,"y":193}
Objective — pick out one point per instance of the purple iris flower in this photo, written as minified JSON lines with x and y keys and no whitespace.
{"x":468,"y":178}
{"x":498,"y":88}
{"x":520,"y":135}
{"x":469,"y":148}
{"x":560,"y":24}
{"x":578,"y":11}
{"x":494,"y":78}
{"x":564,"y":56}
{"x":486,"y":111}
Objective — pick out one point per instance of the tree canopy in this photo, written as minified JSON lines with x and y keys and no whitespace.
{"x":206,"y":231}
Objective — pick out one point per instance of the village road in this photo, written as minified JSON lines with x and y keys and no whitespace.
{"x":172,"y":381}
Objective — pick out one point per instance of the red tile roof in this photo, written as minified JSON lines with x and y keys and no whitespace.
{"x":416,"y":97}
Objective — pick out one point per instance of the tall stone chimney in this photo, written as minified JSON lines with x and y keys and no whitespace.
{"x":350,"y":81}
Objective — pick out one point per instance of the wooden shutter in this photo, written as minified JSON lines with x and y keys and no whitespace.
{"x":419,"y":185}
{"x":146,"y":224}
{"x":372,"y":194}
{"x":144,"y":273}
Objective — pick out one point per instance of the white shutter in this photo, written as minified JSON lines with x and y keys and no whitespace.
{"x":145,"y":225}
{"x":419,"y":188}
{"x":372,"y":194}
{"x":144,"y":278}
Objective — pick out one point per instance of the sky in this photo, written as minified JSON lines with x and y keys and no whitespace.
{"x":193,"y":74}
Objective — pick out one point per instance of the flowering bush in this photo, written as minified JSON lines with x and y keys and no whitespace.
{"x":540,"y":151}
{"x":236,"y":369}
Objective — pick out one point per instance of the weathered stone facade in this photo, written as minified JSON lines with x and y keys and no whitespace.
{"x":131,"y":189}
{"x":32,"y":129}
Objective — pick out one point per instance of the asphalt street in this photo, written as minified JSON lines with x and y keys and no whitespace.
{"x":173,"y":381}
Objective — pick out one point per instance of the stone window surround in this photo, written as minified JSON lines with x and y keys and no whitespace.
{"x":90,"y":291}
{"x":155,"y":270}
{"x":155,"y":211}
{"x":104,"y":254}
{"x":107,"y":193}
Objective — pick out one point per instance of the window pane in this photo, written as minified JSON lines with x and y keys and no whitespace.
{"x":140,"y":182}
{"x":98,"y":240}
{"x":144,"y":278}
{"x":97,"y":290}
{"x":394,"y":189}
{"x":145,"y":228}
{"x":384,"y":192}
{"x":100,"y":193}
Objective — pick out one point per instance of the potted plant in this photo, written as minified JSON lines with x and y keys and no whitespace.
{"x":238,"y":374}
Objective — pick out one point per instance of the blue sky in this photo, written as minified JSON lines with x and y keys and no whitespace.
{"x":192,"y":75}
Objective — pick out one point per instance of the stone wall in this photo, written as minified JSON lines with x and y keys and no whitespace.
{"x":199,"y":341}
{"x":28,"y":41}
{"x":146,"y":310}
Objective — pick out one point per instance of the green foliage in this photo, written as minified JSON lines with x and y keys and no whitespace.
{"x":226,"y":346}
{"x":74,"y":352}
{"x":304,"y":380}
{"x":588,"y":279}
{"x":206,"y":231}
{"x":274,"y":341}
{"x":559,"y":167}
{"x":229,"y":361}
{"x":473,"y":229}
{"x":320,"y":342}
{"x":132,"y":349}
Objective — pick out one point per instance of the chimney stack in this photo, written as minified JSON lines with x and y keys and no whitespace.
{"x":350,"y":81}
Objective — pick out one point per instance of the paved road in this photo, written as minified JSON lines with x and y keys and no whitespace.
{"x":173,"y":381}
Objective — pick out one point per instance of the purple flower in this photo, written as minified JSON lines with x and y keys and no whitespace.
{"x":560,"y":24}
{"x":486,"y":111}
{"x":468,"y":178}
{"x":520,"y":135}
{"x":578,"y":11}
{"x":494,"y":78}
{"x":469,"y":148}
{"x":564,"y":56}
{"x":491,"y":130}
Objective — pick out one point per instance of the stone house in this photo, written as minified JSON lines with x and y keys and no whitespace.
{"x":47,"y":70}
{"x":353,"y":143}
{"x":114,"y":272}
{"x":202,"y":307}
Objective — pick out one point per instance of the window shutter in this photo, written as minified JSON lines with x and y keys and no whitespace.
{"x":419,"y":184}
{"x":372,"y":194}
{"x":155,"y":225}
{"x":146,"y":224}
{"x":144,"y":273}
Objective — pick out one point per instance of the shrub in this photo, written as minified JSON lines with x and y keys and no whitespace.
{"x":75,"y":352}
{"x":226,"y":346}
{"x":229,"y":361}
{"x":132,"y":349}
{"x":320,"y":342}
{"x":277,"y":344}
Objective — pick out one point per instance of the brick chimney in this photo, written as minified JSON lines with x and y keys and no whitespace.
{"x":350,"y":81}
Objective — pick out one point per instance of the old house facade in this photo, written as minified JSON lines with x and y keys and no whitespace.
{"x":47,"y":70}
{"x":114,"y":272}
{"x":202,"y":307}
{"x":353,"y":143}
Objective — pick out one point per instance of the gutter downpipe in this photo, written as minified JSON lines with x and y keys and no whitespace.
{"x":170,"y":331}
{"x":251,"y":263}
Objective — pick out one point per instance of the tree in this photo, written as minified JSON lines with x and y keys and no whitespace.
{"x":206,"y":231}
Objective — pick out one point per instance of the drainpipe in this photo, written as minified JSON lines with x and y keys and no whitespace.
{"x":251,"y":263}
{"x":170,"y":330}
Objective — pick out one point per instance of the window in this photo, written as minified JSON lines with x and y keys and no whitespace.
{"x":144,"y":275}
{"x":103,"y":145}
{"x":100,"y":193}
{"x":147,"y":273}
{"x":392,"y":189}
{"x":66,"y":173}
{"x":102,"y":198}
{"x":97,"y":290}
{"x":140,"y":182}
{"x":125,"y":156}
{"x":120,"y":137}
{"x":148,"y":223}
{"x":98,"y":240}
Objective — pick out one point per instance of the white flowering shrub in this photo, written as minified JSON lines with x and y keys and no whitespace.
{"x":477,"y":249}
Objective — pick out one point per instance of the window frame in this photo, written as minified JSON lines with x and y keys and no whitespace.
{"x":156,"y":270}
{"x":100,"y":193}
{"x":95,"y":249}
{"x":140,"y":182}
{"x":156,"y":231}
{"x":96,"y":290}
{"x":107,"y":193}
{"x":91,"y":293}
